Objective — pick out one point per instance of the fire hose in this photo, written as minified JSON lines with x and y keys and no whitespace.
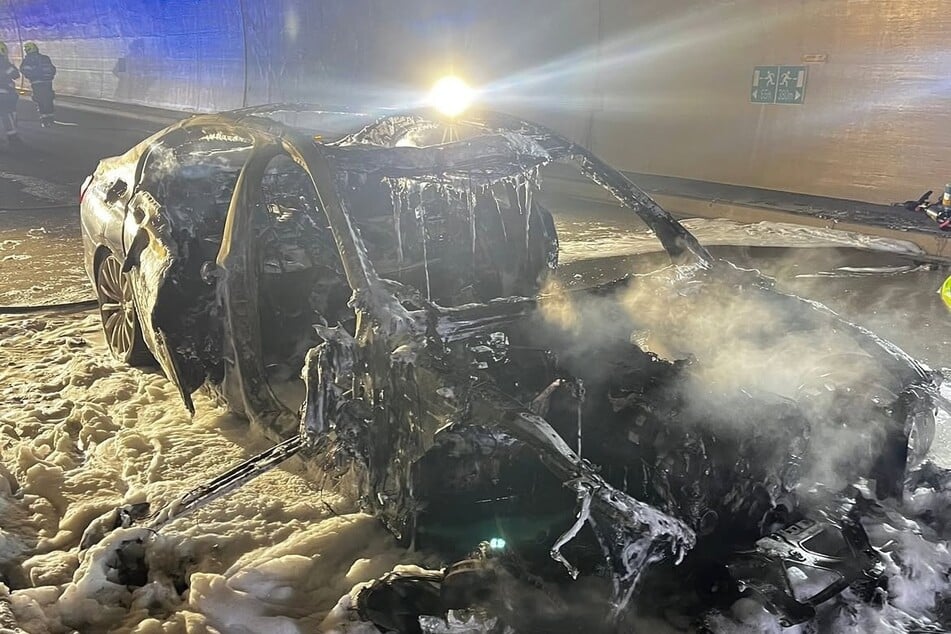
{"x":65,"y":308}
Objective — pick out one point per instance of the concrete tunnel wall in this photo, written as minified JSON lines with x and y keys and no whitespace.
{"x":657,"y":87}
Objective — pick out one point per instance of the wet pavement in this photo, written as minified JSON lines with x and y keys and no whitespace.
{"x":40,"y":249}
{"x":41,"y":258}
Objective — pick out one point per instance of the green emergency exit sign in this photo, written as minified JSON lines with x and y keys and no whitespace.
{"x":778,"y":84}
{"x":764,"y":84}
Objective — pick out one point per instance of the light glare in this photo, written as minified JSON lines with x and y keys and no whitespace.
{"x":451,"y":96}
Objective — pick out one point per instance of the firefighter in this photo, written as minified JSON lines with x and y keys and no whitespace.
{"x":40,"y":71}
{"x":8,"y":97}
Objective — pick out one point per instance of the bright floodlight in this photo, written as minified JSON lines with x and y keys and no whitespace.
{"x":451,"y":96}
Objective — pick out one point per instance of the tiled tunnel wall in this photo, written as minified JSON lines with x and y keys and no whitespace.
{"x":657,"y":87}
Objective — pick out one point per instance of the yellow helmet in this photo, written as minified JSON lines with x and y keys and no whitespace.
{"x":3,"y":49}
{"x":945,"y":292}
{"x":31,"y":47}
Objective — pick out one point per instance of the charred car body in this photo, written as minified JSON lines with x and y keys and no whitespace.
{"x":408,"y":272}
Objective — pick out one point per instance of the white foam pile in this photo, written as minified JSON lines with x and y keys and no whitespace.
{"x":81,"y":434}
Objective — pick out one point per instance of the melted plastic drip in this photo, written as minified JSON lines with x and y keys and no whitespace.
{"x":397,"y":196}
{"x":584,"y":514}
{"x":528,"y":185}
{"x":498,"y":211}
{"x":470,"y":208}
{"x":634,"y":536}
{"x":579,"y":395}
{"x":424,"y":238}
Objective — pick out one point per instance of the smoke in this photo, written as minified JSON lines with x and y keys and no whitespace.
{"x":751,"y":355}
{"x":744,"y":338}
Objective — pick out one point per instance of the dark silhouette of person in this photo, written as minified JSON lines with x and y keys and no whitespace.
{"x":132,"y":72}
{"x":39,"y":69}
{"x":9,"y":97}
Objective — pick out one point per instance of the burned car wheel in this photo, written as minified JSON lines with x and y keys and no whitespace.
{"x":120,"y":324}
{"x":921,"y":434}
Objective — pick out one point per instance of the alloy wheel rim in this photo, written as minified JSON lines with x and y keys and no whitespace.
{"x":116,"y":307}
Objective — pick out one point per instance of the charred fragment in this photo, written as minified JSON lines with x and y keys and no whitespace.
{"x":410,"y":281}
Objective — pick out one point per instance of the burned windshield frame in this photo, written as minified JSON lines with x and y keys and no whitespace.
{"x":507,"y":139}
{"x":531,"y":142}
{"x":396,"y":128}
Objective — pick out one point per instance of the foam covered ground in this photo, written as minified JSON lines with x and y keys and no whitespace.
{"x":81,"y":434}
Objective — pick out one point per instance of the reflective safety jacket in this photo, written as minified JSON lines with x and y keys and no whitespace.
{"x":8,"y":74}
{"x":37,"y":67}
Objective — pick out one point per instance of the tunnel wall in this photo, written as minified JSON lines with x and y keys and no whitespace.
{"x":653,"y":87}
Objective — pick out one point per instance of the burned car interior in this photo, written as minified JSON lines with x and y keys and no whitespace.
{"x":408,"y":273}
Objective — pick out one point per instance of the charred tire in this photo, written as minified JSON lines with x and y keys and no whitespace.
{"x":920,"y":435}
{"x":120,"y":323}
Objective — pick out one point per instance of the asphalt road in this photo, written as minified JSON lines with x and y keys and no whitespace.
{"x":40,"y":250}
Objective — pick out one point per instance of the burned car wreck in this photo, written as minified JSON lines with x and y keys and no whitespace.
{"x":408,"y":272}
